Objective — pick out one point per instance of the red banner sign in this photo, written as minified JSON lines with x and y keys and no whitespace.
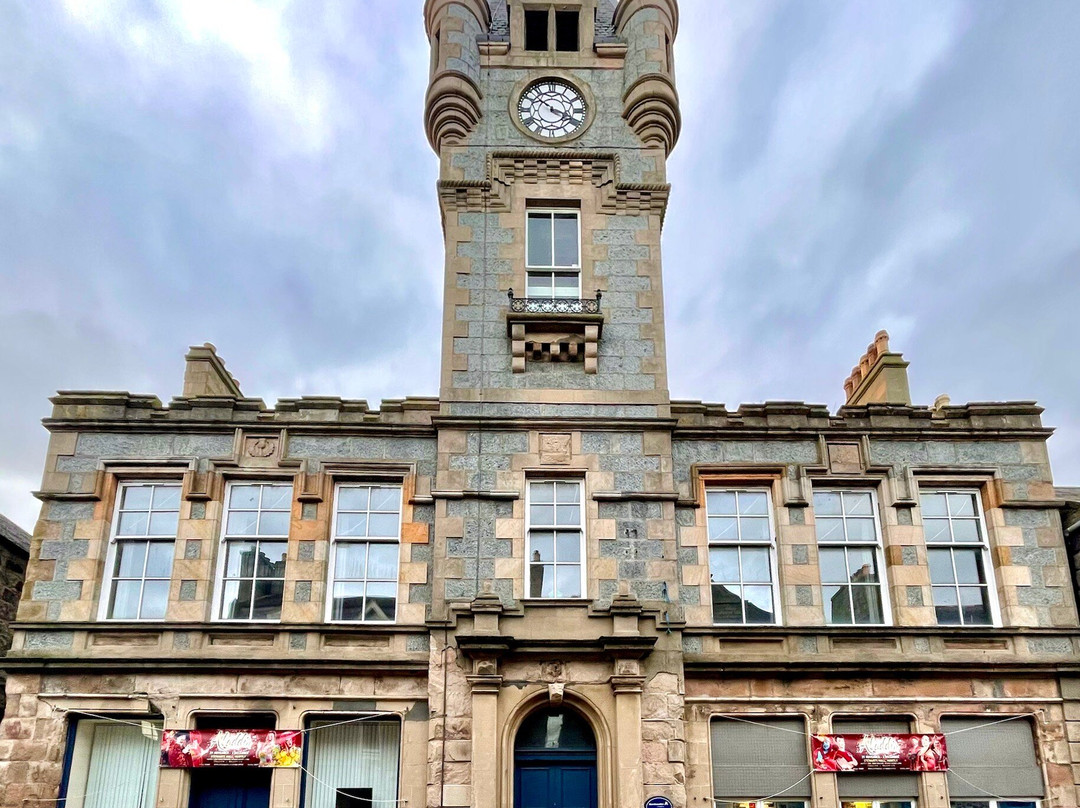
{"x":885,"y":752}
{"x":192,"y":748}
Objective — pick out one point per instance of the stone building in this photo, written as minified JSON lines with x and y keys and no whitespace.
{"x":551,"y":585}
{"x":14,"y":551}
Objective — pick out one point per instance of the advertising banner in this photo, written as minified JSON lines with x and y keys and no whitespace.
{"x":886,"y":752}
{"x":267,"y":748}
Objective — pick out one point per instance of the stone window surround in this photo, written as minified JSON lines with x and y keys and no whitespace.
{"x":339,"y":482}
{"x":560,"y":476}
{"x":774,"y":570}
{"x":108,"y":574}
{"x":869,"y":487}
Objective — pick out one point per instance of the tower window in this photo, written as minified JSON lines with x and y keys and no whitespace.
{"x":536,"y":29}
{"x":566,"y":31}
{"x":553,"y":257}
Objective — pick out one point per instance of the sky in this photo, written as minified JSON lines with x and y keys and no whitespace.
{"x":255,"y":174}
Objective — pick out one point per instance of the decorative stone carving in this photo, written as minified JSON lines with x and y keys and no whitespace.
{"x":555,"y":693}
{"x":553,"y":671}
{"x":452,"y":108}
{"x":651,"y":108}
{"x":844,"y":458}
{"x":555,"y":449}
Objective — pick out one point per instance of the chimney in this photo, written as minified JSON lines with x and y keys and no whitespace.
{"x":205,"y":374}
{"x":879,"y":378}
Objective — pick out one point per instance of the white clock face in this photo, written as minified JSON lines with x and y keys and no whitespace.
{"x":551,"y":108}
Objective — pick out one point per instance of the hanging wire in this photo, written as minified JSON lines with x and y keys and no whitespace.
{"x":800,"y":781}
{"x":992,"y":723}
{"x":337,"y":790}
{"x":963,"y":779}
{"x":760,"y":724}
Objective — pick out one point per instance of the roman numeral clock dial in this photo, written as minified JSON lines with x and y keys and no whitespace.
{"x":552,"y":109}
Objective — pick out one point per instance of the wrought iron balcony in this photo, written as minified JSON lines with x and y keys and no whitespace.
{"x":554,"y":305}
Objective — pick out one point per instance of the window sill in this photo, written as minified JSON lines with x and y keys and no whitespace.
{"x":552,"y":602}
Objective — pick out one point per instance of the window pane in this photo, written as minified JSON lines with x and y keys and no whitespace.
{"x":348,"y":601}
{"x":755,"y":565}
{"x":969,"y":569}
{"x":861,"y":530}
{"x":858,"y":504}
{"x":382,"y":561}
{"x":833,"y":566}
{"x":542,"y":546}
{"x":125,"y":600}
{"x":759,"y":607}
{"x":836,"y":600}
{"x":568,"y":581}
{"x":568,"y":515}
{"x":830,"y":529}
{"x":136,"y":498}
{"x":867,"y":604}
{"x":159,"y":560}
{"x":243,"y":523}
{"x":961,"y":505}
{"x":862,"y":566}
{"x":237,"y":600}
{"x":723,"y":528}
{"x":274,"y":523}
{"x":542,"y":492}
{"x":240,"y":560}
{"x":132,"y":524}
{"x":381,"y":601}
{"x":720,"y":503}
{"x":154,"y":600}
{"x":383,"y":524}
{"x":541,"y":580}
{"x":567,"y":284}
{"x":566,"y":240}
{"x":974,"y":605}
{"x":753,"y":503}
{"x":945,"y":604}
{"x":539,"y":284}
{"x":724,"y":565}
{"x":352,"y":524}
{"x":754,"y":529}
{"x":132,"y":556}
{"x":268,"y":597}
{"x":386,"y":499}
{"x":272,"y":559}
{"x":542,"y":515}
{"x":352,"y":498}
{"x":937,"y":530}
{"x":244,"y":496}
{"x":966,"y":530}
{"x":727,"y":603}
{"x":941,"y":569}
{"x":569,"y":546}
{"x":163,"y":523}
{"x":568,"y":493}
{"x":166,"y":497}
{"x":827,"y":503}
{"x":350,"y":561}
{"x":539,"y":238}
{"x":277,"y":496}
{"x":933,"y":505}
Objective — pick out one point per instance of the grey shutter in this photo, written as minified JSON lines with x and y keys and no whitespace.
{"x":754,"y":761}
{"x":996,"y":758}
{"x":875,"y":785}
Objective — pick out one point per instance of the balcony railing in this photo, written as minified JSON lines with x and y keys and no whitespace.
{"x":554,"y":305}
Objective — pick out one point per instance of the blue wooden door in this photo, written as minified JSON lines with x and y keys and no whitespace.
{"x":555,"y":762}
{"x":230,"y":788}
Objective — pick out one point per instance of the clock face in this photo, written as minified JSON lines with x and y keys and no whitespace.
{"x":551,"y":108}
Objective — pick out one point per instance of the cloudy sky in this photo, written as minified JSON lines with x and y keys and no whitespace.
{"x":255,"y":174}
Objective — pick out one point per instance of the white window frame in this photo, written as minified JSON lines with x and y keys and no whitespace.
{"x":223,"y":542}
{"x":994,"y":803}
{"x":81,"y":752}
{"x":879,"y":551}
{"x":911,"y":801}
{"x":583,"y":560}
{"x":335,"y":540}
{"x":987,"y":559}
{"x":771,"y":544}
{"x":113,"y":550}
{"x":553,"y":269}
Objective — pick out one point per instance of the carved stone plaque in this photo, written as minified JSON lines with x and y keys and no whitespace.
{"x":555,"y":449}
{"x":259,"y":450}
{"x":844,"y":458}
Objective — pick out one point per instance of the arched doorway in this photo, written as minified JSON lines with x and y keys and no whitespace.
{"x":555,"y":761}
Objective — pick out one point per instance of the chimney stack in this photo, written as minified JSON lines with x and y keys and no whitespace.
{"x":205,"y":374}
{"x":879,"y":378}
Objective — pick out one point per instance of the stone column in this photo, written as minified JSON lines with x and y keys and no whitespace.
{"x":485,"y":738}
{"x":627,"y":687}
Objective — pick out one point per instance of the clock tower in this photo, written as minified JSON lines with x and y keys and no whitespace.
{"x":552,"y":123}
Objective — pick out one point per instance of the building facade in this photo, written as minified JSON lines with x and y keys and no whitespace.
{"x":552,"y":585}
{"x":14,"y":552}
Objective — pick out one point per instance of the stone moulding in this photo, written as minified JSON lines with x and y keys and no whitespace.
{"x":434,"y":10}
{"x":651,"y":108}
{"x":452,"y":109}
{"x":563,"y":166}
{"x":669,"y":13}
